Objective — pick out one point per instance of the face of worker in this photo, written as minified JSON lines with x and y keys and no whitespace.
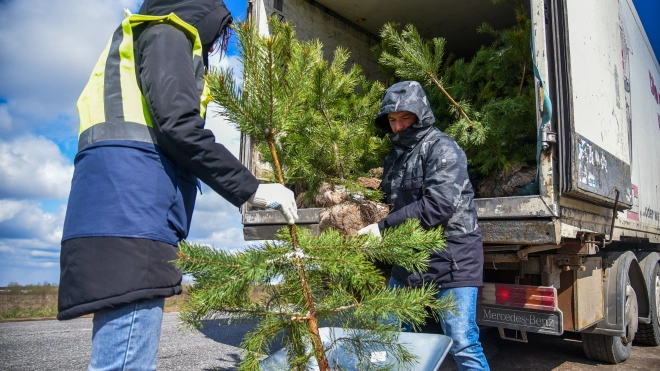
{"x":400,"y":121}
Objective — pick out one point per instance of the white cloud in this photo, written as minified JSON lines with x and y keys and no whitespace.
{"x":224,"y":131}
{"x":29,"y":242}
{"x":33,"y":167}
{"x":48,"y":51}
{"x":232,"y":62}
{"x":27,"y":225}
{"x":46,"y":254}
{"x":226,"y":239}
{"x":216,"y":222}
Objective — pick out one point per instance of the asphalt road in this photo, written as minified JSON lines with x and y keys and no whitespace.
{"x":54,"y":345}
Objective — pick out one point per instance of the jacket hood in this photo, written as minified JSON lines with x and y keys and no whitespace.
{"x":209,"y":17}
{"x":405,"y":96}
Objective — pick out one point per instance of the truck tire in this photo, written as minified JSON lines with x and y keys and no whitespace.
{"x":650,"y":334}
{"x":614,"y":349}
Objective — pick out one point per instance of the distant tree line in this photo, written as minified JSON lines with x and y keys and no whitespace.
{"x":39,"y":288}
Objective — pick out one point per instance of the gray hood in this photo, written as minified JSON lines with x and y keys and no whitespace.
{"x":405,"y":96}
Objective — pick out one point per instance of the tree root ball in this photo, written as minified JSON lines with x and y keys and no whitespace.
{"x":350,"y":216}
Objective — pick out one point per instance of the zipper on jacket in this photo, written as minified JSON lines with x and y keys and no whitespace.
{"x":454,"y":264}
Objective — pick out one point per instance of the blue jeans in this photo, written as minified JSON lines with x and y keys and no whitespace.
{"x":461,"y":327}
{"x":127,"y":337}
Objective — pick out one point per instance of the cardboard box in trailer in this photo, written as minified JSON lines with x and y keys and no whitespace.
{"x":583,"y":254}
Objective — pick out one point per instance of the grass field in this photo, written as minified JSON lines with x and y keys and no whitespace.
{"x":40,"y":301}
{"x":28,"y":302}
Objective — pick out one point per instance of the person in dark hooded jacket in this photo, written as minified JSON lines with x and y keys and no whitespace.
{"x":425,"y":178}
{"x":142,"y":148}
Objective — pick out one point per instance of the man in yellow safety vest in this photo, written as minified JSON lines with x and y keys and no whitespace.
{"x":142,"y":148}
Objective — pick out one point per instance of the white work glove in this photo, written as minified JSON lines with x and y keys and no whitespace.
{"x":370,"y":229}
{"x":276,"y":196}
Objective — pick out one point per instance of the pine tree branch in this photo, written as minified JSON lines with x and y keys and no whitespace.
{"x":312,"y":321}
{"x":209,"y":262}
{"x":453,"y":102}
{"x":255,"y":312}
{"x":272,"y":125}
{"x":270,"y":139}
{"x":297,"y":87}
{"x":309,"y":300}
{"x":233,"y":102}
{"x":252,"y":52}
{"x":228,"y":283}
{"x":311,"y":138}
{"x":401,"y":44}
{"x":347,"y":307}
{"x":322,"y":107}
{"x":341,"y":247}
{"x":338,"y":260}
{"x":522,"y":79}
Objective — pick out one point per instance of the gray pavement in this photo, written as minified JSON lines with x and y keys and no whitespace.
{"x":54,"y":345}
{"x":562,"y":353}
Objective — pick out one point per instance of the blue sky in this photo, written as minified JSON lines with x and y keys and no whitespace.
{"x":47,"y":51}
{"x":649,"y":14}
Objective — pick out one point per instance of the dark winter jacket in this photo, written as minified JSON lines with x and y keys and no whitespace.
{"x":131,"y":202}
{"x":425,"y":177}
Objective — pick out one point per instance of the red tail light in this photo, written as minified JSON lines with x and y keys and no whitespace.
{"x":521,"y":296}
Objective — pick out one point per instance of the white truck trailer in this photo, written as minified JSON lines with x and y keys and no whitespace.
{"x":582,"y":255}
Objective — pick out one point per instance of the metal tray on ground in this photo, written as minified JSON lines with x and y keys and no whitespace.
{"x":430,"y":349}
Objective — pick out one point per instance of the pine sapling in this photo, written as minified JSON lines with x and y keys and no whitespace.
{"x":415,"y":58}
{"x":347,"y":290}
{"x":329,"y":277}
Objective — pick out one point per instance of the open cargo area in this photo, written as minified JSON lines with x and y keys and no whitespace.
{"x":356,"y":26}
{"x":584,"y":166}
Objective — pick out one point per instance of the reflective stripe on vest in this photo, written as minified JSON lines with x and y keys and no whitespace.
{"x":112,"y":107}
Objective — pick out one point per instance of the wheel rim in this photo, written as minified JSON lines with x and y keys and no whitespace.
{"x":657,"y":299}
{"x":631,"y":314}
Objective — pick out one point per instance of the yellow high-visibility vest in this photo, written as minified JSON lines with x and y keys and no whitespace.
{"x":112,"y":107}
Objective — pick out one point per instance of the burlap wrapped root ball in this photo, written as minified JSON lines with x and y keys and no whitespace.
{"x":350,"y":216}
{"x":345,"y":212}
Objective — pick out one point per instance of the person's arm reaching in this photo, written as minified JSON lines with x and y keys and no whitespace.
{"x":168,"y":83}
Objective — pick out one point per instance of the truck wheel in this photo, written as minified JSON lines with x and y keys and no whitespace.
{"x":614,"y":349}
{"x":650,"y":334}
